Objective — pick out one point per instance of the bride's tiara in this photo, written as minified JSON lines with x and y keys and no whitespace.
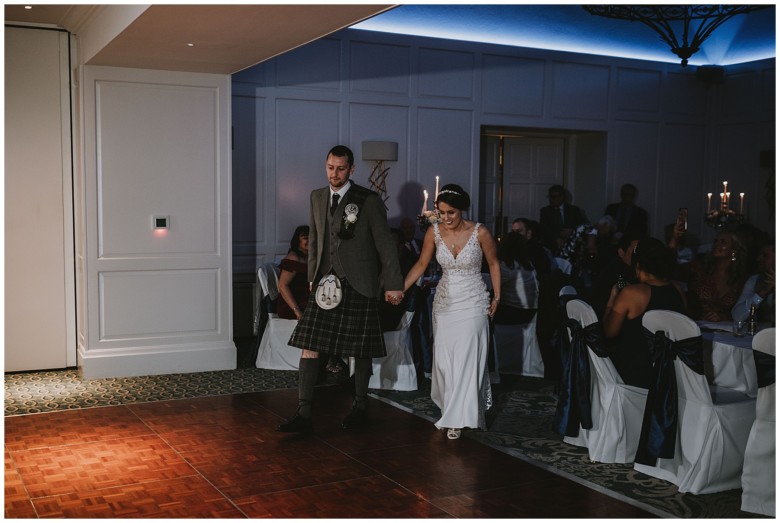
{"x":450,"y":191}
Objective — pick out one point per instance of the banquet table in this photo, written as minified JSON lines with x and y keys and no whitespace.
{"x":729,"y":359}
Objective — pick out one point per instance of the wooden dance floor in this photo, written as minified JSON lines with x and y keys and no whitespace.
{"x":219,"y":457}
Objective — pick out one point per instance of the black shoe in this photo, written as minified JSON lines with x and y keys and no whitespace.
{"x":296,"y":424}
{"x":356,"y":418}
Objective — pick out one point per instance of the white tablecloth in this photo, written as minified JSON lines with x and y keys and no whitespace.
{"x":733,"y":366}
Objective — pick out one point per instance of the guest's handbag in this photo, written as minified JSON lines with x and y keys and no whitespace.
{"x":328,"y":292}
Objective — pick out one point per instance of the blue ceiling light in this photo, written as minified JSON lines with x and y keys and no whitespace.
{"x":559,"y":27}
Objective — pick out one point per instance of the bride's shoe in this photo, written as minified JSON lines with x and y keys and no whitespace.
{"x":453,"y":433}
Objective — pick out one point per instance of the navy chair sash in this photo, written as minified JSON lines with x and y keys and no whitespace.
{"x":573,"y":410}
{"x":659,"y":426}
{"x":765,"y":368}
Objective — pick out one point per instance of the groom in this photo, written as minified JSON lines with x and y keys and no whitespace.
{"x":350,"y":239}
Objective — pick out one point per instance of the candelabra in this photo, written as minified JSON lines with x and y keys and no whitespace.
{"x":723,"y":216}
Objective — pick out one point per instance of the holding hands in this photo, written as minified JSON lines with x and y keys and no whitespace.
{"x":394,"y":297}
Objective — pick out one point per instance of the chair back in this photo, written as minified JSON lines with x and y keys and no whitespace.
{"x":764,"y":341}
{"x":567,"y":290}
{"x":603,"y":367}
{"x":268,"y":277}
{"x":676,"y":326}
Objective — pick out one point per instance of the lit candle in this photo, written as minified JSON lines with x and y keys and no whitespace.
{"x":722,"y":203}
{"x":728,"y":197}
{"x":725,"y":186}
{"x":709,"y":201}
{"x":741,"y":202}
{"x":437,"y":189}
{"x":425,"y":202}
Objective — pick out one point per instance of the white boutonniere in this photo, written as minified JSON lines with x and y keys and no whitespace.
{"x":348,"y":221}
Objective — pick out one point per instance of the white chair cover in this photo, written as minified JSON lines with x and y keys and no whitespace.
{"x":758,"y":472}
{"x":711,"y":435}
{"x":274,"y":352}
{"x":567,"y":290}
{"x":396,"y":371}
{"x":616,"y":408}
{"x":517,"y":349}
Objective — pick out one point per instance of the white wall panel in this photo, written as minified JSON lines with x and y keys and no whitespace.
{"x":147,"y":166}
{"x":314,"y":66}
{"x":251,"y":219}
{"x":638,"y":92}
{"x":580,"y":91}
{"x":156,"y":142}
{"x":682,"y":166}
{"x":635,"y":149}
{"x":142,"y":304}
{"x":368,"y":122}
{"x":513,"y":85}
{"x":445,"y":142}
{"x":306,"y":131}
{"x":379,"y":68}
{"x":684,"y":97}
{"x":448,"y":74}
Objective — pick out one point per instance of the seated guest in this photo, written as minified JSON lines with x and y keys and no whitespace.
{"x":716,"y":281}
{"x":293,"y":277}
{"x":629,"y":217}
{"x":622,"y":322}
{"x":759,"y":289}
{"x":519,"y":288}
{"x":620,"y":266}
{"x":540,"y":256}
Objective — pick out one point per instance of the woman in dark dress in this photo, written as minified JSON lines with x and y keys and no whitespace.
{"x":293,"y":277}
{"x":655,"y":264}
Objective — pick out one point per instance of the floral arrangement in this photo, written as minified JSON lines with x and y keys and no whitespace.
{"x":428,"y":217}
{"x":348,"y":221}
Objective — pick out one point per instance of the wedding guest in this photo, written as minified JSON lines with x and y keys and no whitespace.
{"x":716,"y":280}
{"x":618,"y":268}
{"x":540,"y":256}
{"x":759,"y":289}
{"x":558,"y":219}
{"x":655,"y":264}
{"x":293,"y":280}
{"x":628,"y":216}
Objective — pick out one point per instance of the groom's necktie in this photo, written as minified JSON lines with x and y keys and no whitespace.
{"x":334,"y":203}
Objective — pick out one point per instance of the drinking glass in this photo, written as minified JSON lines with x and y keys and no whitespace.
{"x":740,"y":327}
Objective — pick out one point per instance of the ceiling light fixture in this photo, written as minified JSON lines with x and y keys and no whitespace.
{"x":665,"y":19}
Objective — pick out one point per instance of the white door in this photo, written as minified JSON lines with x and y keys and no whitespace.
{"x":39,"y":278}
{"x":530,"y":166}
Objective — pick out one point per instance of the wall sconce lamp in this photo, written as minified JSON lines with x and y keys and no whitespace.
{"x":379,"y":153}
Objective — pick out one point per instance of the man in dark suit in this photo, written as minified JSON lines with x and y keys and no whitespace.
{"x":558,"y":219}
{"x":629,"y":217}
{"x":348,"y":238}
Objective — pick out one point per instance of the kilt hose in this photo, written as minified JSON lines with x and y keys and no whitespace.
{"x":350,"y":329}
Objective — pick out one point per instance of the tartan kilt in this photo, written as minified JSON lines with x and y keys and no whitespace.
{"x":351,"y":329}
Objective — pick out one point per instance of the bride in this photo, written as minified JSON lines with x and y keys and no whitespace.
{"x":460,"y":384}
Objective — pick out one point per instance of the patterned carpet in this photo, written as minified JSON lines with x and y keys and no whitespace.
{"x":518,"y":424}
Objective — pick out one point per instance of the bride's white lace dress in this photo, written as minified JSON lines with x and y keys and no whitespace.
{"x":460,"y":385}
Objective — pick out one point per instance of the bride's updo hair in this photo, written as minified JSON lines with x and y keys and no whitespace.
{"x":454,"y":196}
